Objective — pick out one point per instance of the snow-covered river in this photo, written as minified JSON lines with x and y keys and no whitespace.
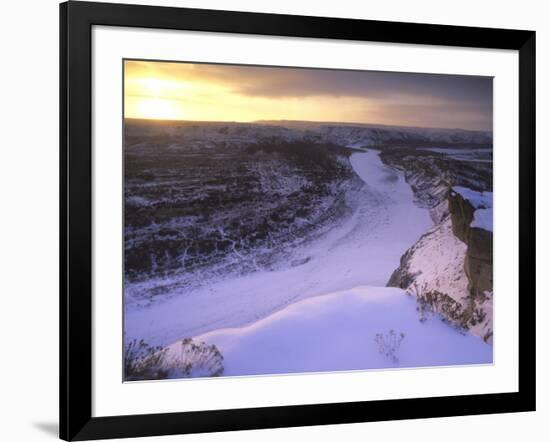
{"x":363,"y":250}
{"x":339,"y":330}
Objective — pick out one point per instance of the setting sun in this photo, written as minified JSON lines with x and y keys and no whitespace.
{"x":156,"y":109}
{"x":184,"y":91}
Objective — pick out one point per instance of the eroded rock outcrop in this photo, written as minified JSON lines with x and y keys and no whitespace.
{"x":478,"y":263}
{"x":449,"y":269}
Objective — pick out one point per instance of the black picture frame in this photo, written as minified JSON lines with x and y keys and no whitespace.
{"x":76,"y":21}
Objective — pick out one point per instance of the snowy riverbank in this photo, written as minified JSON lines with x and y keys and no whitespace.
{"x":330,"y":312}
{"x":337,"y":332}
{"x":362,"y":250}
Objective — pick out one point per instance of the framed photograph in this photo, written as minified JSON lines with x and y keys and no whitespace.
{"x":274,"y":220}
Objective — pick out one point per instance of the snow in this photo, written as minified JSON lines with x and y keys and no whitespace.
{"x":477,"y":199}
{"x":325,"y":312}
{"x":483,"y":203}
{"x":483,"y":219}
{"x":478,"y":155}
{"x":337,"y":332}
{"x":448,"y":151}
{"x":438,"y":262}
{"x":364,"y":249}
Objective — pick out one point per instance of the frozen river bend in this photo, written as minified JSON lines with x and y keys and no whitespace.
{"x":348,"y":326}
{"x":276,"y":245}
{"x":360,"y":249}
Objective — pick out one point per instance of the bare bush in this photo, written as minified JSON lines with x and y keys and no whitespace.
{"x":437,"y":302}
{"x":478,"y":316}
{"x":142,"y":361}
{"x":197,"y":360}
{"x":389,"y":344}
{"x":145,"y":362}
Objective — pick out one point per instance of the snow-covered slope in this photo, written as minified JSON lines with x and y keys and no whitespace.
{"x":355,"y":251}
{"x":338,"y":332}
{"x":449,"y":269}
{"x":273,"y":244}
{"x":433,"y":271}
{"x":436,"y":262}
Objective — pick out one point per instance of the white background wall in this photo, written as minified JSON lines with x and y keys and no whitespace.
{"x":29,"y":217}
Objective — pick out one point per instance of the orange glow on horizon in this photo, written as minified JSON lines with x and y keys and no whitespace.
{"x":217,"y":92}
{"x":178,"y":93}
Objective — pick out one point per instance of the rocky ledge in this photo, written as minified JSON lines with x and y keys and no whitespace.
{"x":450,"y":268}
{"x":478,"y":263}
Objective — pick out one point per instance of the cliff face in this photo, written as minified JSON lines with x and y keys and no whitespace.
{"x":462,"y":215}
{"x":431,"y":174}
{"x":478,"y":263}
{"x":449,"y":269}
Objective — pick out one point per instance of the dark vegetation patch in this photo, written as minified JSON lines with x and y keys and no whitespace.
{"x":145,"y":362}
{"x":234,"y":208}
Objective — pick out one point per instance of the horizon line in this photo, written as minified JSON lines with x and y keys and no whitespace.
{"x":320,"y":122}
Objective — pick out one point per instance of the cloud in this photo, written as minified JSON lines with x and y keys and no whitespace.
{"x":295,"y":82}
{"x":466,"y":100}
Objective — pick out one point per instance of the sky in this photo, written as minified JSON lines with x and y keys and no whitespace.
{"x":216,"y":92}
